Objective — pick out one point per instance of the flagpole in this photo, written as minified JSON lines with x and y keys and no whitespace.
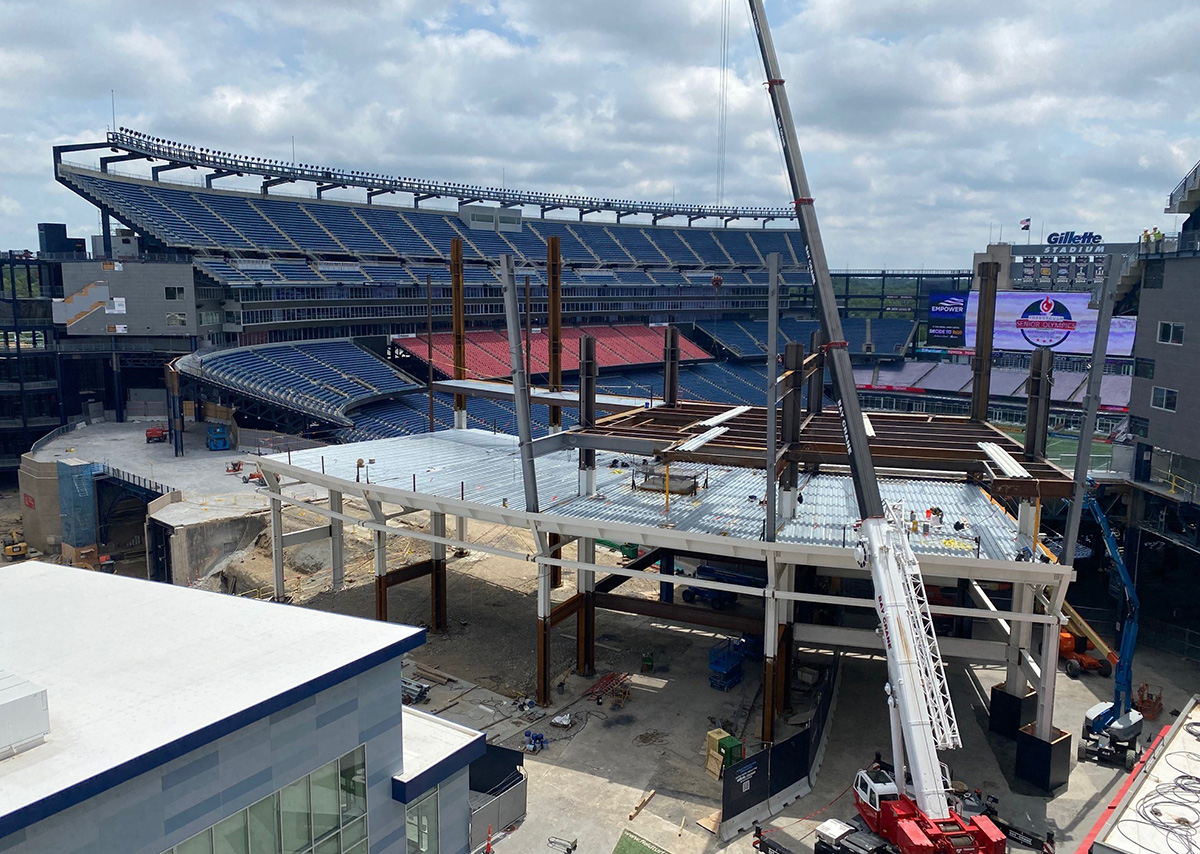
{"x":1042,"y":233}
{"x":1001,"y":240}
{"x":989,"y":234}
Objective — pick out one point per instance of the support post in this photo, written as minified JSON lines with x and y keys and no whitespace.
{"x":106,"y":232}
{"x":429,"y":342}
{"x":543,"y":634}
{"x":816,"y":383}
{"x":337,"y":550}
{"x":985,"y":328}
{"x":770,"y":651}
{"x":276,"y":538}
{"x":554,"y":274}
{"x":1037,"y":412}
{"x":585,"y":623}
{"x":437,"y":590}
{"x":459,"y":319}
{"x":671,"y":367}
{"x":520,"y":386}
{"x":666,"y":568}
{"x":587,"y":411}
{"x":793,"y":363}
{"x":774,"y":259}
{"x":379,"y":544}
{"x":555,"y":543}
{"x":460,"y":528}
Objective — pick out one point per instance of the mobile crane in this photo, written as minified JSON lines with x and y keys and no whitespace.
{"x":916,"y":819}
{"x":1111,"y":730}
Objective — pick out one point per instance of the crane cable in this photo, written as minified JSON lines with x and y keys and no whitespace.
{"x":722,"y":102}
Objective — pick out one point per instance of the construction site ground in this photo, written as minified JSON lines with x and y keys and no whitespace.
{"x":590,"y":777}
{"x":592,"y":774}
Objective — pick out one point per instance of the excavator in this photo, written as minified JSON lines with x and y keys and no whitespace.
{"x":894,"y":814}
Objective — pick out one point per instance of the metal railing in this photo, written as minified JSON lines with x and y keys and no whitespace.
{"x":1190,"y":181}
{"x":51,"y":436}
{"x":136,"y":479}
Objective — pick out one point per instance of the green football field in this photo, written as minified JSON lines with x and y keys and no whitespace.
{"x":1062,"y":450}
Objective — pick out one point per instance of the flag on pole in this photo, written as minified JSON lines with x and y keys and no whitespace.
{"x":1025,"y":224}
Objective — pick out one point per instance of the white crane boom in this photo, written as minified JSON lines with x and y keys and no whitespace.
{"x":922,"y":715}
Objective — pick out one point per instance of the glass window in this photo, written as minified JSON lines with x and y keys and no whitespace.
{"x":1170,"y":333}
{"x":264,"y":826}
{"x":229,"y":835}
{"x":173,"y":293}
{"x":201,"y":843}
{"x":1164,"y":398}
{"x":1143,"y":368}
{"x":176,"y":318}
{"x":326,"y":807}
{"x":422,"y":820}
{"x":354,"y":785}
{"x":354,"y":831}
{"x":295,"y":817}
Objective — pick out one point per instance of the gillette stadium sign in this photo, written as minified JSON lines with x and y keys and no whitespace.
{"x":1071,"y":238}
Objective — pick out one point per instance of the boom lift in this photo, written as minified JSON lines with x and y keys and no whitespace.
{"x":1111,"y":730}
{"x":914,"y":819}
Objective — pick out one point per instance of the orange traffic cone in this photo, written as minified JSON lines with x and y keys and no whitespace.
{"x":488,"y":848}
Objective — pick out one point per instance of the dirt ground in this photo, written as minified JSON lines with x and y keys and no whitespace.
{"x":492,"y":600}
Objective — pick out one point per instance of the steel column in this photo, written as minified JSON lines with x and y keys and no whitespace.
{"x":981,"y":362}
{"x":771,"y":522}
{"x":437,"y":591}
{"x":671,"y":366}
{"x":337,"y":551}
{"x":554,"y":275}
{"x":459,"y":319}
{"x":512,"y":315}
{"x":276,"y":537}
{"x":1037,"y":411}
{"x":585,"y":624}
{"x":816,"y":383}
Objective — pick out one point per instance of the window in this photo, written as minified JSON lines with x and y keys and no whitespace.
{"x":1143,"y":368}
{"x":173,"y":293}
{"x":176,"y":318}
{"x":323,"y":813}
{"x":1170,"y":333}
{"x":1163,"y":398}
{"x":422,"y":819}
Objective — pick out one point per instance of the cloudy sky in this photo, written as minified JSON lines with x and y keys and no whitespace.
{"x":925,"y":124}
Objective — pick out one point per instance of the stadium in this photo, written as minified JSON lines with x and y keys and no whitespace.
{"x":310,"y":316}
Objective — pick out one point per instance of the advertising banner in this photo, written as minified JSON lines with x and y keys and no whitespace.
{"x":1061,"y":321}
{"x":947,"y":319}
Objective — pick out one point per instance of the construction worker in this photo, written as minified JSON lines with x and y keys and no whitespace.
{"x":1145,"y":240}
{"x":1157,"y":237}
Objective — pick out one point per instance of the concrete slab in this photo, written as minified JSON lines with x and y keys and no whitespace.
{"x":199,"y":473}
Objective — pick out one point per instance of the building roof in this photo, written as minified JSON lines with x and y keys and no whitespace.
{"x":1157,"y":813}
{"x":140,"y":673}
{"x":434,"y":749}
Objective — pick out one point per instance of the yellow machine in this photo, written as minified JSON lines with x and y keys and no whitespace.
{"x":15,"y":547}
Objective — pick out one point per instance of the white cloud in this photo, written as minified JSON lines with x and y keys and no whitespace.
{"x":922,"y":123}
{"x":10,"y":207}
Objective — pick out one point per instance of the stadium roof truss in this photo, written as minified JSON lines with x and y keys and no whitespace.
{"x":128,"y":144}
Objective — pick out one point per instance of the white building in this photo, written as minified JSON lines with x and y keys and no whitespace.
{"x":198,"y":723}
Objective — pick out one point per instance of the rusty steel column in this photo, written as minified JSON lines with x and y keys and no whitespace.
{"x":769,"y":689}
{"x":459,"y":319}
{"x":585,"y":624}
{"x":671,"y":367}
{"x":554,"y":273}
{"x":985,"y":328}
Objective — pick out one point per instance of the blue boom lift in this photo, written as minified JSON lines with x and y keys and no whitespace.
{"x":1111,"y":730}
